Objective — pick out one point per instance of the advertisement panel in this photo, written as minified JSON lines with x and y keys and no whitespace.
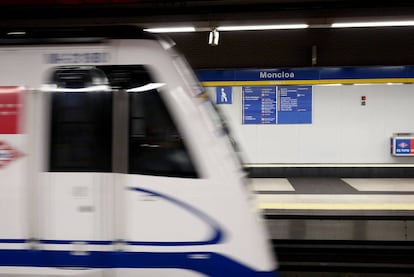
{"x":10,"y":110}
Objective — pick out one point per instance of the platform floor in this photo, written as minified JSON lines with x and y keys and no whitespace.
{"x":350,"y":196}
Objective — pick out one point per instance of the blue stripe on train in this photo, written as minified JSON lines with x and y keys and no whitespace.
{"x":211,"y":264}
{"x":13,"y":240}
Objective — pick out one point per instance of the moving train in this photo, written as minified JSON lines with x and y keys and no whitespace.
{"x":113,"y":162}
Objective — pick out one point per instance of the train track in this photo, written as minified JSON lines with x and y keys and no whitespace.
{"x":345,"y":256}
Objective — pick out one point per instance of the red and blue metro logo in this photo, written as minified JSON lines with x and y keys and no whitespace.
{"x":404,"y":146}
{"x":8,"y":154}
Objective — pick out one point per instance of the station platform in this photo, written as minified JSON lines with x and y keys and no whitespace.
{"x":337,"y":208}
{"x":347,"y":195}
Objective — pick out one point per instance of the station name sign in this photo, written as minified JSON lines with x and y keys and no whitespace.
{"x":277,"y":75}
{"x":306,"y":75}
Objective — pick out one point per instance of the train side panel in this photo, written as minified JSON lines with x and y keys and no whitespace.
{"x":123,"y":217}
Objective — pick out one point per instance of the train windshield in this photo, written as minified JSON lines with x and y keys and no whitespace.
{"x":102,"y":114}
{"x":215,"y":115}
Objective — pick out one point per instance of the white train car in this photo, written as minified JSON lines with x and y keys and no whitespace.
{"x":112,"y":163}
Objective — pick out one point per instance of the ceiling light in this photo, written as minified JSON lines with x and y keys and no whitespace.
{"x":16,"y":33}
{"x":262,"y":27}
{"x":372,"y":24}
{"x":213,"y":37}
{"x":171,"y":30}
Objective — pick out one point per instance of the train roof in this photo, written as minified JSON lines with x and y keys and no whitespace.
{"x":73,"y":34}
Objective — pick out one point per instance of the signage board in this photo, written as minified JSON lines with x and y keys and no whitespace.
{"x":259,"y":105}
{"x":224,"y":95}
{"x":403,"y":146}
{"x":295,"y":104}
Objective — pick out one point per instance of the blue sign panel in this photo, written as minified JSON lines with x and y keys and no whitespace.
{"x":259,"y":105}
{"x":295,"y":104}
{"x":309,"y":73}
{"x":404,"y":146}
{"x":208,"y":75}
{"x":224,"y":95}
{"x":369,"y":72}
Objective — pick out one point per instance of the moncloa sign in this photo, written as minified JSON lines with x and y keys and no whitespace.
{"x":276,"y":75}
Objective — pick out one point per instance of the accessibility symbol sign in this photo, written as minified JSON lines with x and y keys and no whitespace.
{"x":224,"y":95}
{"x":8,"y":154}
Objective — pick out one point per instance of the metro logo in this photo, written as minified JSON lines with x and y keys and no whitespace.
{"x":8,"y":154}
{"x":5,"y":155}
{"x":404,"y":146}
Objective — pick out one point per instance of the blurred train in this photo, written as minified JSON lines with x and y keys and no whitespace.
{"x":113,"y":162}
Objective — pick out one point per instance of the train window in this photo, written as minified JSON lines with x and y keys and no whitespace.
{"x":81,"y":125}
{"x":155,"y":146}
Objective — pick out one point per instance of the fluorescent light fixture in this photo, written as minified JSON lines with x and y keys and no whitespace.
{"x":171,"y":30}
{"x":16,"y":33}
{"x":262,"y":27}
{"x":146,"y":87}
{"x":372,"y":24}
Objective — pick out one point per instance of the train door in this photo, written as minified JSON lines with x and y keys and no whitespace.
{"x":119,"y":172}
{"x":77,"y":178}
{"x":160,"y":184}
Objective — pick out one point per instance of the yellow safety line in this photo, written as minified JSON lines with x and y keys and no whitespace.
{"x":307,"y":82}
{"x":337,"y":206}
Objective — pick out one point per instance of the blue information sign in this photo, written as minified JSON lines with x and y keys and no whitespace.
{"x":307,"y":73}
{"x":224,"y":95}
{"x":404,"y":146}
{"x":259,"y":105}
{"x":295,"y":104}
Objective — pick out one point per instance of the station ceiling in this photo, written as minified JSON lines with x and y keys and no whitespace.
{"x":318,"y":45}
{"x":201,"y":13}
